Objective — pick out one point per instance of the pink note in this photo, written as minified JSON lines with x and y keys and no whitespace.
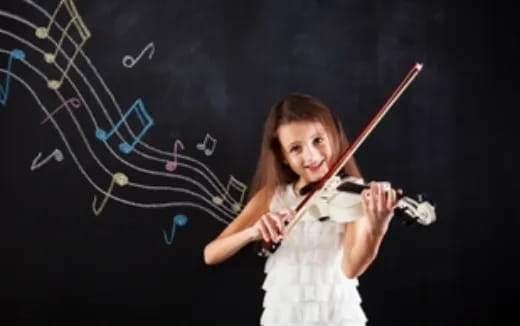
{"x":172,"y":165}
{"x":74,"y":101}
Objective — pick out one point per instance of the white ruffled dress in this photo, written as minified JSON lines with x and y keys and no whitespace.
{"x":304,"y":283}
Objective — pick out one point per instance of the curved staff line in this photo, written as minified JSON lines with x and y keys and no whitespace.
{"x":101,"y":80}
{"x":229,"y":201}
{"x":218,"y":207}
{"x":121,"y":200}
{"x":229,"y":213}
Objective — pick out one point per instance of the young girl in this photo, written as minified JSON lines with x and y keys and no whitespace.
{"x":311,"y":279}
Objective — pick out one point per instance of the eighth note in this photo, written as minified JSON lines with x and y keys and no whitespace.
{"x":74,"y":101}
{"x":208,"y":150}
{"x":179,"y":220}
{"x":119,"y":178}
{"x":142,"y":114}
{"x":129,"y":62}
{"x":172,"y":165}
{"x":57,"y":154}
{"x":233,"y":182}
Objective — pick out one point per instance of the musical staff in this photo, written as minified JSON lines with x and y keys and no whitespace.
{"x":15,"y":54}
{"x":142,"y":114}
{"x":76,"y":21}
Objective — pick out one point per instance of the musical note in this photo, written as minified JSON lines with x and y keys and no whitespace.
{"x":236,"y":185}
{"x":43,"y":32}
{"x":140,"y":109}
{"x":119,"y":178}
{"x":179,"y":220}
{"x":204,"y":146}
{"x":73,"y":100}
{"x":4,"y":89}
{"x":172,"y":165}
{"x":57,"y":154}
{"x":129,"y":62}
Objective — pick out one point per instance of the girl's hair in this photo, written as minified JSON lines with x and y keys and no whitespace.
{"x":271,"y":171}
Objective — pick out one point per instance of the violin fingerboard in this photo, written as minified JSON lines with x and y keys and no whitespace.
{"x":351,"y":187}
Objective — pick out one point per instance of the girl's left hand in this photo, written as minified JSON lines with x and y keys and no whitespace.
{"x":378,"y":203}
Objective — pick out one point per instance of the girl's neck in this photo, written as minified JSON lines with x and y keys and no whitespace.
{"x":298,"y":185}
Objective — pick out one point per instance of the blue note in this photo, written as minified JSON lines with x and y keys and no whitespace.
{"x":145,"y":119}
{"x":4,"y":89}
{"x":179,"y":220}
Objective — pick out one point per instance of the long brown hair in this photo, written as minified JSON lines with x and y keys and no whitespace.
{"x":270,"y":171}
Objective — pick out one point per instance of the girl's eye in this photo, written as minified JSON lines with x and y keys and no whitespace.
{"x":318,"y":140}
{"x":294,"y":149}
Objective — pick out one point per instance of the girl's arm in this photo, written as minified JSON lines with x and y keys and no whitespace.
{"x":363,"y":236}
{"x":252,"y":224}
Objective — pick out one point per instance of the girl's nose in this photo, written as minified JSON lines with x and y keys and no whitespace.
{"x":311,"y":155}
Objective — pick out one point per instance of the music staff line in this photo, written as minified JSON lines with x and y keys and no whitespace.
{"x":208,"y":172}
{"x":116,"y":104}
{"x":100,"y":189}
{"x":221,"y":192}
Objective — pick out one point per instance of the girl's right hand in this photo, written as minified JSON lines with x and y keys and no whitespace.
{"x":271,"y":226}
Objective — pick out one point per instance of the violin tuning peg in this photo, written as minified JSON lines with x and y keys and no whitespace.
{"x":422,"y":197}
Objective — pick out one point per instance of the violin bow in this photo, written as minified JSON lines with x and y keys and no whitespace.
{"x":349,"y":151}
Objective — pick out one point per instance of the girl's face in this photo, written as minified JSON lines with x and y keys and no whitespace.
{"x":307,"y":149}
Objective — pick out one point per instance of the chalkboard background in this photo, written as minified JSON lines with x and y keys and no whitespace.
{"x":215,"y":67}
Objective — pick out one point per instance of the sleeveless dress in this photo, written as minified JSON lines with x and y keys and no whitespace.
{"x":304,"y":283}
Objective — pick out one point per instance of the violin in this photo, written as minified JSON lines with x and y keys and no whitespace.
{"x":340,"y":201}
{"x":336,"y":197}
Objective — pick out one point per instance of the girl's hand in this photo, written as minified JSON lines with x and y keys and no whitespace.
{"x":271,"y":226}
{"x":378,"y":204}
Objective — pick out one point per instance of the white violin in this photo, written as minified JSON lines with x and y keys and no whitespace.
{"x":340,"y":200}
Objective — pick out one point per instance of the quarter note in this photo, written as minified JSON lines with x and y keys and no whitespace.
{"x":207,"y":148}
{"x":15,"y":54}
{"x":142,"y":114}
{"x":172,"y":165}
{"x":178,"y":220}
{"x":56,"y":154}
{"x":121,"y":180}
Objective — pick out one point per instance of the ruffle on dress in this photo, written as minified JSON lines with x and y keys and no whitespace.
{"x":304,"y":283}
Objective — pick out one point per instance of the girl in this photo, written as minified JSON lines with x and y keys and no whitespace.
{"x":311,"y":279}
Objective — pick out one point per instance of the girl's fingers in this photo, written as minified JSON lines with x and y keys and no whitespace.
{"x":364,"y":200}
{"x":269,"y":225}
{"x":380,"y":199}
{"x":391,"y":200}
{"x":263,"y":230}
{"x":367,"y":200}
{"x":372,"y":198}
{"x":277,"y":218}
